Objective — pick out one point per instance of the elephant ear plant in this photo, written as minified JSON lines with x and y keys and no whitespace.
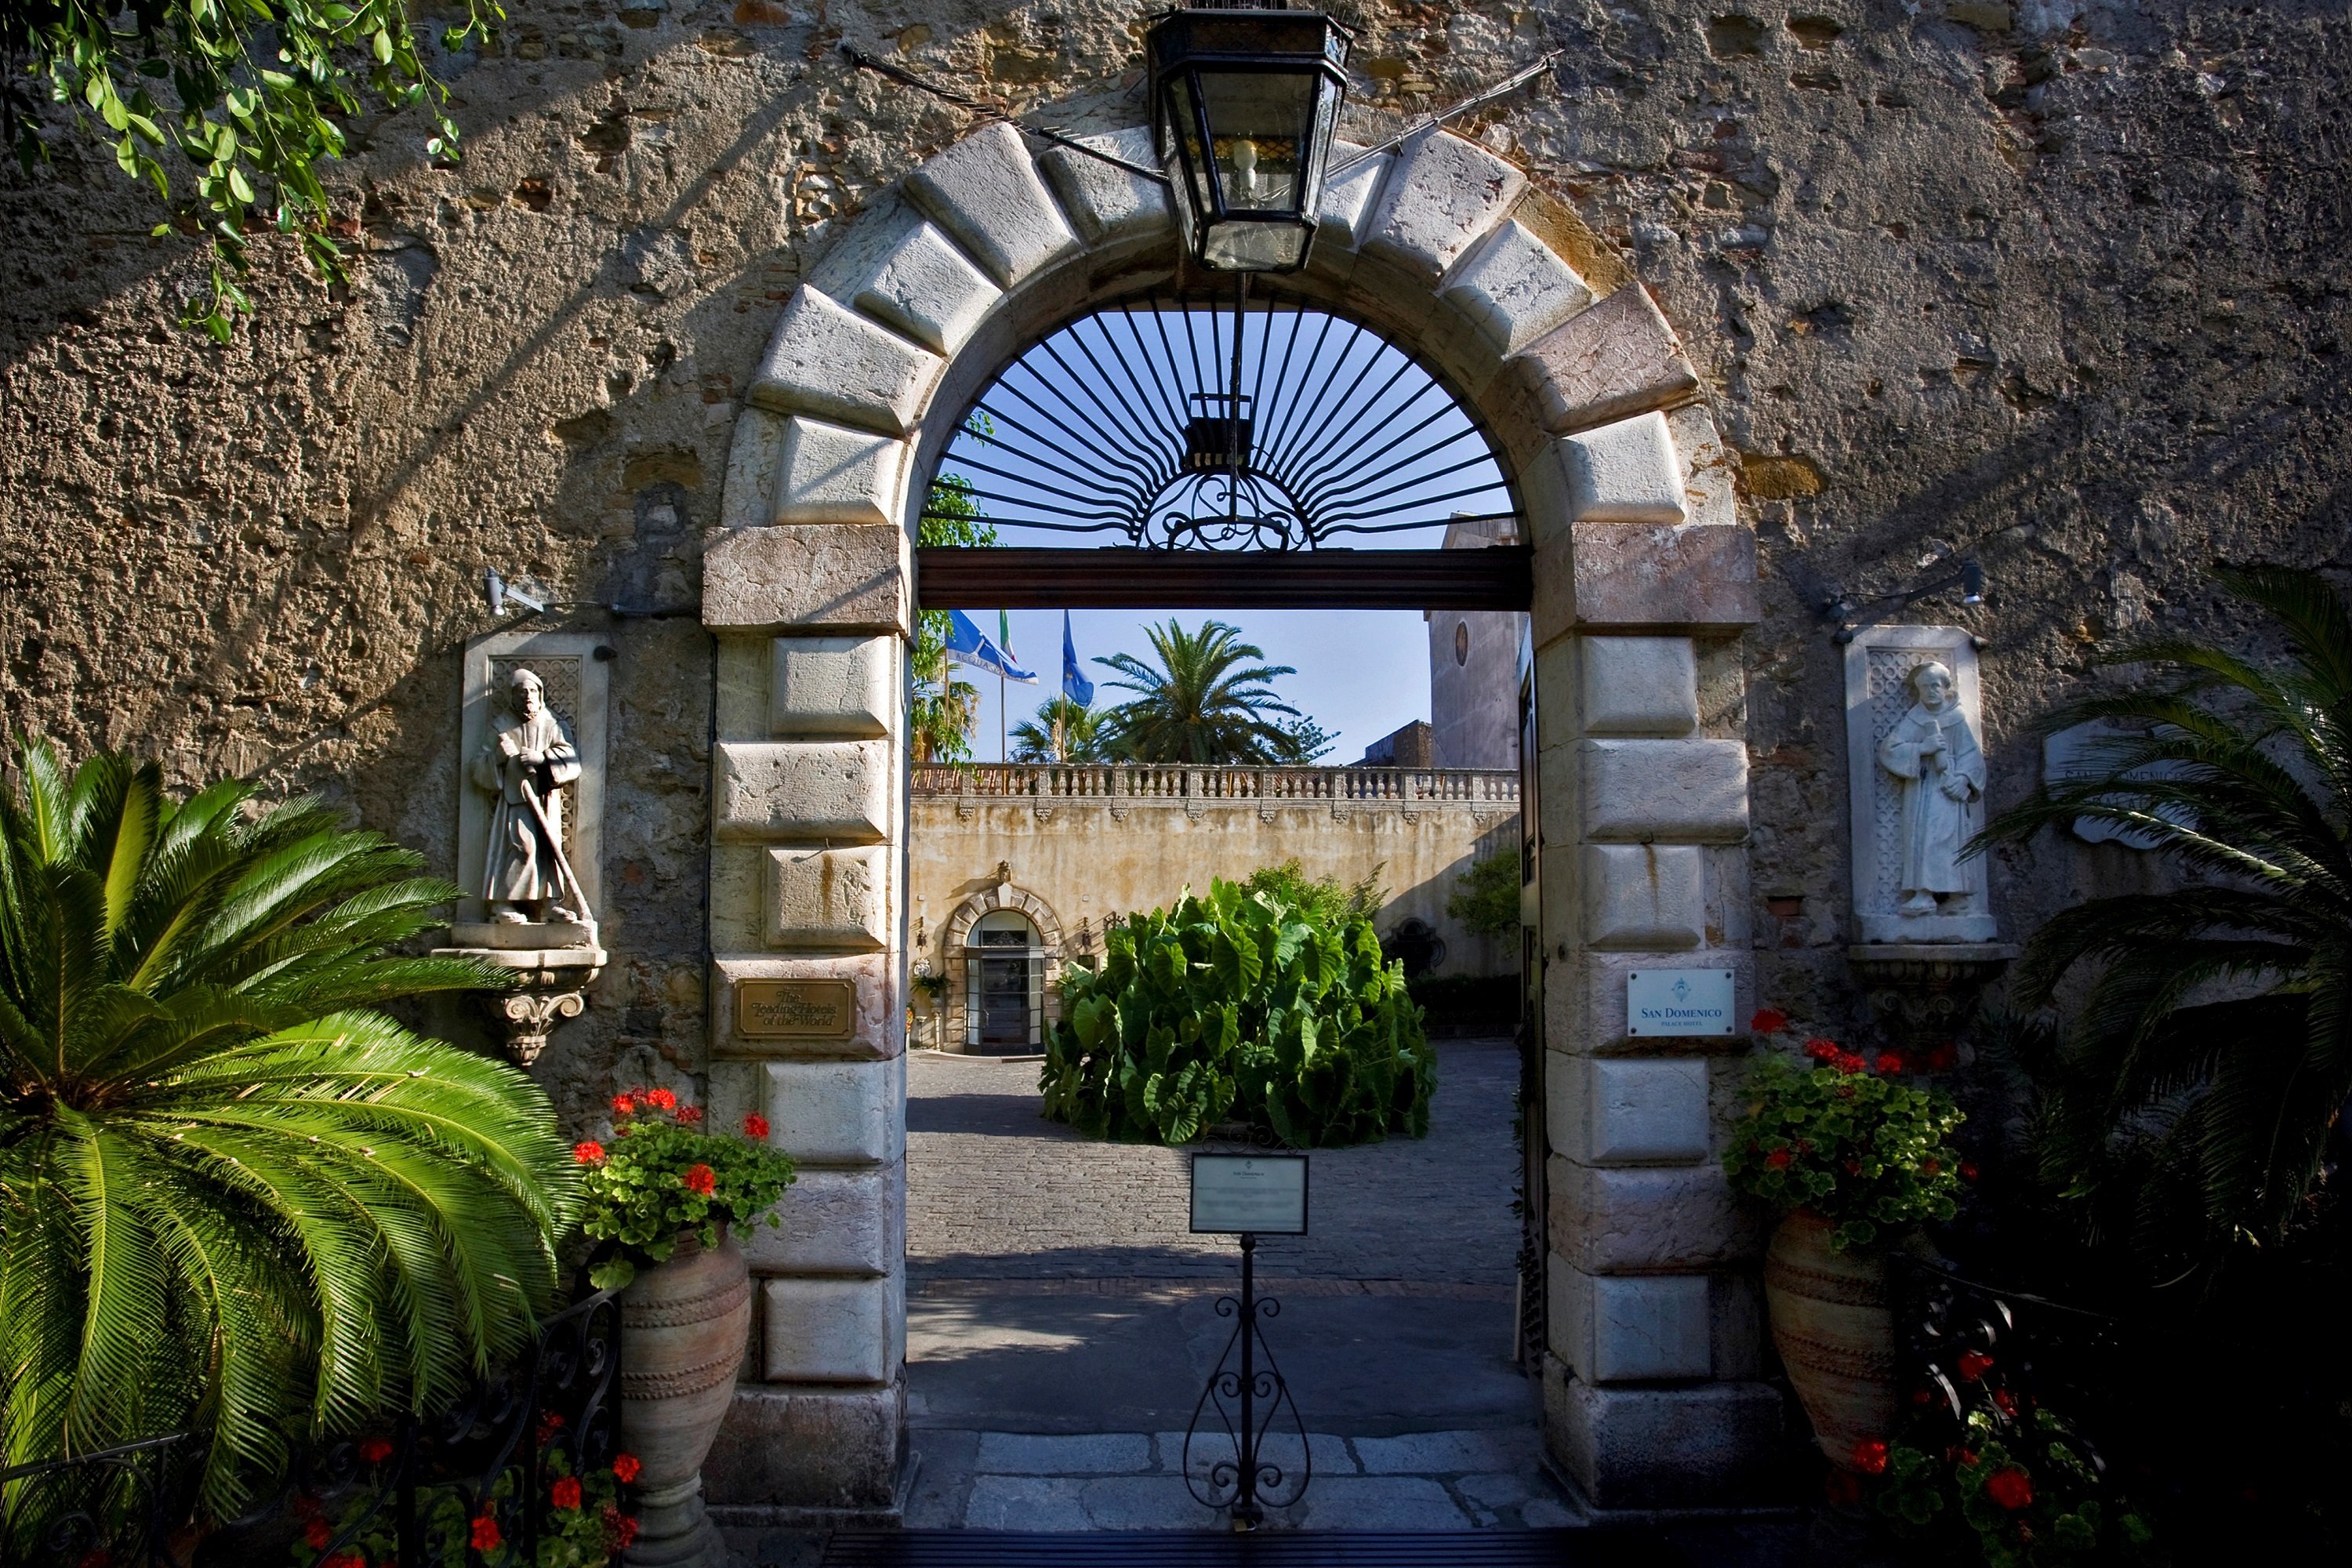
{"x":235,"y":1199}
{"x":1241,"y":1004}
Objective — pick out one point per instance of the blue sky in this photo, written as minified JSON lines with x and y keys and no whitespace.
{"x":1361,"y":673}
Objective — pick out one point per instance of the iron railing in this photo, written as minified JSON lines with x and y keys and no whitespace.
{"x":412,"y":1493}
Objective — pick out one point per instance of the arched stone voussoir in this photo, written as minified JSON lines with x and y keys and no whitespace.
{"x":986,"y":191}
{"x":1619,"y":358}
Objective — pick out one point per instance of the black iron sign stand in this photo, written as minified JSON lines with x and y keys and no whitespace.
{"x":1248,"y":1195}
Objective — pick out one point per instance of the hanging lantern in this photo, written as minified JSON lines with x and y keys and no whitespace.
{"x":1245,"y":103}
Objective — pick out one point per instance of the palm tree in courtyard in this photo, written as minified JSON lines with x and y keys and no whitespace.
{"x":2200,"y":1078}
{"x":1208,"y":702}
{"x":1064,"y":730}
{"x":234,"y":1198}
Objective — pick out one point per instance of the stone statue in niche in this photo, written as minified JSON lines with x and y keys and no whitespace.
{"x":528,"y":766}
{"x":1939,"y":773}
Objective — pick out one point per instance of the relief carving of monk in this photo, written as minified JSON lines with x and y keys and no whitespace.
{"x":1939,"y":771}
{"x":528,"y":766}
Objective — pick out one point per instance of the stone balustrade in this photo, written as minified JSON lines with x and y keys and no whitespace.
{"x":1487,"y":787}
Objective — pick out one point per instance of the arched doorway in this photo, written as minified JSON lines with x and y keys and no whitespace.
{"x":1643,"y":576}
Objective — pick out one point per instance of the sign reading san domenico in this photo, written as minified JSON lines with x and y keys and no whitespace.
{"x":1678,"y":1002}
{"x":794,"y":1009}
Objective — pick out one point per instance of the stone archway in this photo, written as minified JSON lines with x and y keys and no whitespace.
{"x":1643,"y":578}
{"x":956,"y":937}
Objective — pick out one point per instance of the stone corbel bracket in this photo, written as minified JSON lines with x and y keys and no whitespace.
{"x":553,"y":974}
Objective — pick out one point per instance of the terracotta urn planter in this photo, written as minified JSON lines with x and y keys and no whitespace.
{"x":684,"y":1324}
{"x":1834,"y":1328}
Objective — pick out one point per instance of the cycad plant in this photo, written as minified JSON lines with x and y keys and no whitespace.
{"x":1208,"y":702}
{"x":2194,"y":1089}
{"x":234,"y":1198}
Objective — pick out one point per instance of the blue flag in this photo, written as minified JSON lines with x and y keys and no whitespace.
{"x":1075,"y":687}
{"x":967,"y":644}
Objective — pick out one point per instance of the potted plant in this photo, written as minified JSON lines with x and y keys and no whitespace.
{"x":664,"y":1193}
{"x":1851,"y":1160}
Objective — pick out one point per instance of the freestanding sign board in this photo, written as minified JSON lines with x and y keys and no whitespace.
{"x":1262,"y":1194}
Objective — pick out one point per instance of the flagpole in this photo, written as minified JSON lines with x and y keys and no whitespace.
{"x":1002,"y":756}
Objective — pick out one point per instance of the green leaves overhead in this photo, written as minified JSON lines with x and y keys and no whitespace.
{"x":1240,"y":1006}
{"x":249,"y":92}
{"x":234,"y":1199}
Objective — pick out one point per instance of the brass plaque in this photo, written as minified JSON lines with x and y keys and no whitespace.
{"x":795,"y":1009}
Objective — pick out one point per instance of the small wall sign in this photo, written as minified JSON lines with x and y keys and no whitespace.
{"x":795,"y":1009}
{"x":1264,"y":1195}
{"x":1678,"y":1002}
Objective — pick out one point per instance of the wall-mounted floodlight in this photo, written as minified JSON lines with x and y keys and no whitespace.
{"x":1968,"y":577}
{"x":501,"y":594}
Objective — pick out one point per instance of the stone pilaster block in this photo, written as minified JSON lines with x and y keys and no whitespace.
{"x":830,"y":1331}
{"x":1627,"y":1111}
{"x":929,"y":290}
{"x":753,"y":459}
{"x":1642,"y":1219}
{"x":828,"y":359}
{"x":833,"y":686}
{"x":841,"y":1006}
{"x":1515,"y":289}
{"x":1624,"y":472}
{"x":836,"y":1113}
{"x":808,"y":1445}
{"x":822,"y":576}
{"x":1646,"y":897}
{"x":985,"y":191}
{"x":828,"y":898}
{"x":1639,"y":686}
{"x":832,"y":473}
{"x":1709,"y":489}
{"x":1646,"y":575}
{"x":1714,"y":1445}
{"x":1107,"y":202}
{"x":1339,"y":220}
{"x":1631,"y":1328}
{"x":1617,"y":359}
{"x":835,"y":1222}
{"x":1692,"y":792}
{"x":1442,"y":197}
{"x":1584,"y":1003}
{"x":785,"y":791}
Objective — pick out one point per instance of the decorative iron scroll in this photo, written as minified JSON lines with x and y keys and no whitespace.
{"x":1184,"y":422}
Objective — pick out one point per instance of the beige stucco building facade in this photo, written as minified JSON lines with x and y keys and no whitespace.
{"x":1059,"y":849}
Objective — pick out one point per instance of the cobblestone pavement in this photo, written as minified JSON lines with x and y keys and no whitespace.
{"x":993,"y":1189}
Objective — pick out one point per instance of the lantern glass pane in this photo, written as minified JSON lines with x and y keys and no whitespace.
{"x":1238,"y":245}
{"x":1260,"y":126}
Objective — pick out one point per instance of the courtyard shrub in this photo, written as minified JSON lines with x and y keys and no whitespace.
{"x":234,"y":1198}
{"x":1240,"y":1006}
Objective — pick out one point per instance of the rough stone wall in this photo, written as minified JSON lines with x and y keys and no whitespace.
{"x":2056,"y":284}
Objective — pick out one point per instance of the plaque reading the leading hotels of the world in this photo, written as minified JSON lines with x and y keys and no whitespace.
{"x":1678,"y":1002}
{"x":1265,"y":1193}
{"x":795,"y":1009}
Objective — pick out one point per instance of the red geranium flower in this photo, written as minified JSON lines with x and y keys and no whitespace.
{"x":700,"y":1178}
{"x":1968,"y":1171}
{"x":689,"y":1115}
{"x":588,"y":1151}
{"x":2004,"y":1401}
{"x":1851,"y":1062}
{"x":2010,"y":1487}
{"x":1974,"y":1365}
{"x":1969,"y":1459}
{"x":625,"y":1467}
{"x":661,"y":1099}
{"x":486,"y":1535}
{"x":1821,"y":1050}
{"x":1768,"y":1021}
{"x":623,"y":1105}
{"x":1778,"y":1159}
{"x":317,"y":1532}
{"x":1890,"y":1062}
{"x":624,"y":1530}
{"x":755,"y":1126}
{"x":1930,"y":1166}
{"x":550,"y":1422}
{"x":375,"y":1450}
{"x":565,"y":1492}
{"x":1853,"y":1167}
{"x":1870,"y":1456}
